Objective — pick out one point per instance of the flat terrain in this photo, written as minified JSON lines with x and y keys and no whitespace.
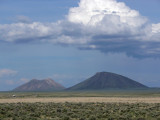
{"x":137,"y":96}
{"x":82,"y":105}
{"x":84,"y":100}
{"x":107,"y":93}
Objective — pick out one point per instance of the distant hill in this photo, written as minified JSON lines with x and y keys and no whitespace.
{"x":107,"y":80}
{"x":40,"y":85}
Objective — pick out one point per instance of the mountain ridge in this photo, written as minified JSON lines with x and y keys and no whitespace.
{"x":99,"y":81}
{"x":40,"y":85}
{"x":107,"y":80}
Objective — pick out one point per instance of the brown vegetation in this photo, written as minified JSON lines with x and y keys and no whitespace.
{"x":84,"y":100}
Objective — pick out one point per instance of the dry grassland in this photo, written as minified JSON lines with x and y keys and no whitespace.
{"x":84,"y":100}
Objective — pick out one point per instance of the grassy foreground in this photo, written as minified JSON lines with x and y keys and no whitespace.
{"x":82,"y":105}
{"x":79,"y":111}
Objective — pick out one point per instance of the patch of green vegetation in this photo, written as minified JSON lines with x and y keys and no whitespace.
{"x":105,"y":93}
{"x":79,"y":111}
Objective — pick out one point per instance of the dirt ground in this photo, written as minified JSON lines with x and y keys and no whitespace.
{"x":84,"y":99}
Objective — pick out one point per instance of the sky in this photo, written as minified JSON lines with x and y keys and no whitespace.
{"x":71,"y":40}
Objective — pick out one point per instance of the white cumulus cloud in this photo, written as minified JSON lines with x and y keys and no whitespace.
{"x":104,"y":25}
{"x":26,"y":31}
{"x":92,"y":12}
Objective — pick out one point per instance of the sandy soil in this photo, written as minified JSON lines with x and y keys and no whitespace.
{"x":83,"y":99}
